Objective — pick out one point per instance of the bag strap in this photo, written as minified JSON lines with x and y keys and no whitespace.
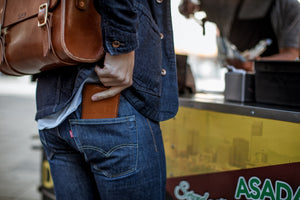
{"x":2,"y":13}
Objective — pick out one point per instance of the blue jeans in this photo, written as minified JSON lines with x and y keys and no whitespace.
{"x":108,"y":159}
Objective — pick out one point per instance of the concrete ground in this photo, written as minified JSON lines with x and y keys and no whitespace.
{"x":19,"y":162}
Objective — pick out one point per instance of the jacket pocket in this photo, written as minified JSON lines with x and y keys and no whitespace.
{"x":109,"y":145}
{"x":147,"y":74}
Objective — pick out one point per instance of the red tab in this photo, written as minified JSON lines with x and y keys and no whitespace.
{"x":71,"y":133}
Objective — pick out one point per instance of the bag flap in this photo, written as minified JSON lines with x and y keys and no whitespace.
{"x":86,"y":45}
{"x":19,"y":10}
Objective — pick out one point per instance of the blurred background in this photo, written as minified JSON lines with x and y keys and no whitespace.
{"x":200,"y":49}
{"x":19,"y":162}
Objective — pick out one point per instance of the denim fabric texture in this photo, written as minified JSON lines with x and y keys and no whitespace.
{"x":120,"y":158}
{"x":141,"y":25}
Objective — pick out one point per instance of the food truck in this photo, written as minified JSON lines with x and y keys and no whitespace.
{"x":242,"y":143}
{"x":226,"y":150}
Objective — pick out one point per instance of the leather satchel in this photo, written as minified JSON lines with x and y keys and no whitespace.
{"x":40,"y":35}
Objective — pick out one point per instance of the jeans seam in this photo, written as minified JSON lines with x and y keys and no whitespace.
{"x":42,"y":138}
{"x":137,"y":148}
{"x":153,"y":138}
{"x":58,"y":134}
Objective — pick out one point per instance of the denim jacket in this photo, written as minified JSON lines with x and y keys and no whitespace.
{"x":141,"y":25}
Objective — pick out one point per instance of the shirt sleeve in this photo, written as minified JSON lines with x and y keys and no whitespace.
{"x":119,"y":25}
{"x":288,"y":23}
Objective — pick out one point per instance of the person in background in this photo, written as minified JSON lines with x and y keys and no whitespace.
{"x":245,"y":23}
{"x":116,"y":158}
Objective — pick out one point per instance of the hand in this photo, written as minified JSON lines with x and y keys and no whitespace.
{"x":116,"y":74}
{"x":247,"y":66}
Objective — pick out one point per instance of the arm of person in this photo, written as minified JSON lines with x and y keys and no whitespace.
{"x":286,"y":22}
{"x":287,"y":53}
{"x":119,"y":31}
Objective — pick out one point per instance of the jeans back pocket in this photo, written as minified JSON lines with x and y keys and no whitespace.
{"x":109,"y":145}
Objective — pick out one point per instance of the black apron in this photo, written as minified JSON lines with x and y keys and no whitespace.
{"x":246,"y":33}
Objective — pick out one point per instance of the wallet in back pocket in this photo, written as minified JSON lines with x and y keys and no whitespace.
{"x":106,"y":108}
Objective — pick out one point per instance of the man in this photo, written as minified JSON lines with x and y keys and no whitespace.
{"x":115,"y":158}
{"x":245,"y":22}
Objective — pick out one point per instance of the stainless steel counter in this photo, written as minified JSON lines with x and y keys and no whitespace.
{"x":216,"y":102}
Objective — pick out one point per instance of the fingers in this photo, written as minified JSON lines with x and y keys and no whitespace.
{"x":116,"y":73}
{"x":111,"y":92}
{"x":103,"y":72}
{"x":110,"y":78}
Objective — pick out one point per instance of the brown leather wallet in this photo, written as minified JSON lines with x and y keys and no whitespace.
{"x":106,"y":108}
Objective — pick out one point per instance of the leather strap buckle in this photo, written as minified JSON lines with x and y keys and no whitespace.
{"x":43,"y":14}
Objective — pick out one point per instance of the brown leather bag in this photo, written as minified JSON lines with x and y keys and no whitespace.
{"x":39,"y":35}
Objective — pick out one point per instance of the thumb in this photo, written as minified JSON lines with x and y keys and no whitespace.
{"x":111,"y":92}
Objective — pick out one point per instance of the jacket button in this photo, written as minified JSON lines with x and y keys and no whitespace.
{"x":161,"y":36}
{"x":159,"y":1}
{"x":163,"y":72}
{"x":116,"y":44}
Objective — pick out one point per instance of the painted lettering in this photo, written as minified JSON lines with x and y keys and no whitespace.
{"x":267,"y":191}
{"x":297,"y":194}
{"x":181,"y":192}
{"x":282,"y":186}
{"x":254,"y":183}
{"x":251,"y":190}
{"x":242,"y":189}
{"x":254,"y":191}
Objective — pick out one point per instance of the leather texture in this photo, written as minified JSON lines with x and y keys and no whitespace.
{"x":70,"y":35}
{"x":106,"y":108}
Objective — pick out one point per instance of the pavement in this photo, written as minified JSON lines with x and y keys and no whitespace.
{"x":19,"y":162}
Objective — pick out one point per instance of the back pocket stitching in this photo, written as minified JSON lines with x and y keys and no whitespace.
{"x":107,"y":153}
{"x":134,"y":147}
